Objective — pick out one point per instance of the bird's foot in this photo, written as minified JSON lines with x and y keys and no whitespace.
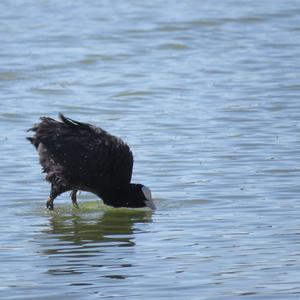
{"x":49,"y":204}
{"x":75,"y":204}
{"x":74,"y":199}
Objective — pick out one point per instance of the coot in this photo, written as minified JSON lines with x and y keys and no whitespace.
{"x":79,"y":156}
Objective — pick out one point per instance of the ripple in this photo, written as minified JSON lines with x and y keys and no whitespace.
{"x":206,"y":96}
{"x":173,"y":46}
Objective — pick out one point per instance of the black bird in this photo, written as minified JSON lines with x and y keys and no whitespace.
{"x":79,"y":156}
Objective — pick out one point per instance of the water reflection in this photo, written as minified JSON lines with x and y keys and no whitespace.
{"x":78,"y":242}
{"x":113,"y":227}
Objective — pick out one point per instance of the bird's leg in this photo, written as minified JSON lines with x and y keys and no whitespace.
{"x":49,"y":203}
{"x":74,"y":198}
{"x":55,"y":191}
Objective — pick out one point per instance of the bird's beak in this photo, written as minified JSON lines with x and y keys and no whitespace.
{"x":150,"y":204}
{"x":147,"y":193}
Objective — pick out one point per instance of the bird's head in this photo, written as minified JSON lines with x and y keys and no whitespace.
{"x":133,"y":196}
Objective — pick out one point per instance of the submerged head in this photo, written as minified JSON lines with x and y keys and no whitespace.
{"x":132,"y":196}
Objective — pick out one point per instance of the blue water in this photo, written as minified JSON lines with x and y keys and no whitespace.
{"x":206,"y":93}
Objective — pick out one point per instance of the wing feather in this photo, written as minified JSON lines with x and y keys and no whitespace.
{"x":81,"y":154}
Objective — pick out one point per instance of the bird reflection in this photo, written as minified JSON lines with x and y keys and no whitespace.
{"x":85,"y":233}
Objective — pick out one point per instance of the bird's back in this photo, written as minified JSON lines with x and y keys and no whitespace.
{"x":81,"y":155}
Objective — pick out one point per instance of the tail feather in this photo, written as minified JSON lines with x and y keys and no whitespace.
{"x":72,"y":123}
{"x":30,"y":139}
{"x":48,"y":127}
{"x":33,"y":141}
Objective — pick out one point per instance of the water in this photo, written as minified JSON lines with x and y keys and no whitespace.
{"x":206,"y":93}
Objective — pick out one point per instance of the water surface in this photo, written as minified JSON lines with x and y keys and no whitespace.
{"x":206,"y":93}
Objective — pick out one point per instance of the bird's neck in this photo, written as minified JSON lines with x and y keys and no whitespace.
{"x":117,"y":196}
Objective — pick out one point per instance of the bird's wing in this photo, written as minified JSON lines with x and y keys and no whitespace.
{"x":82,"y":153}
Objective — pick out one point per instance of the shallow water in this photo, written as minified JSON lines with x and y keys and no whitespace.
{"x":206,"y":93}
